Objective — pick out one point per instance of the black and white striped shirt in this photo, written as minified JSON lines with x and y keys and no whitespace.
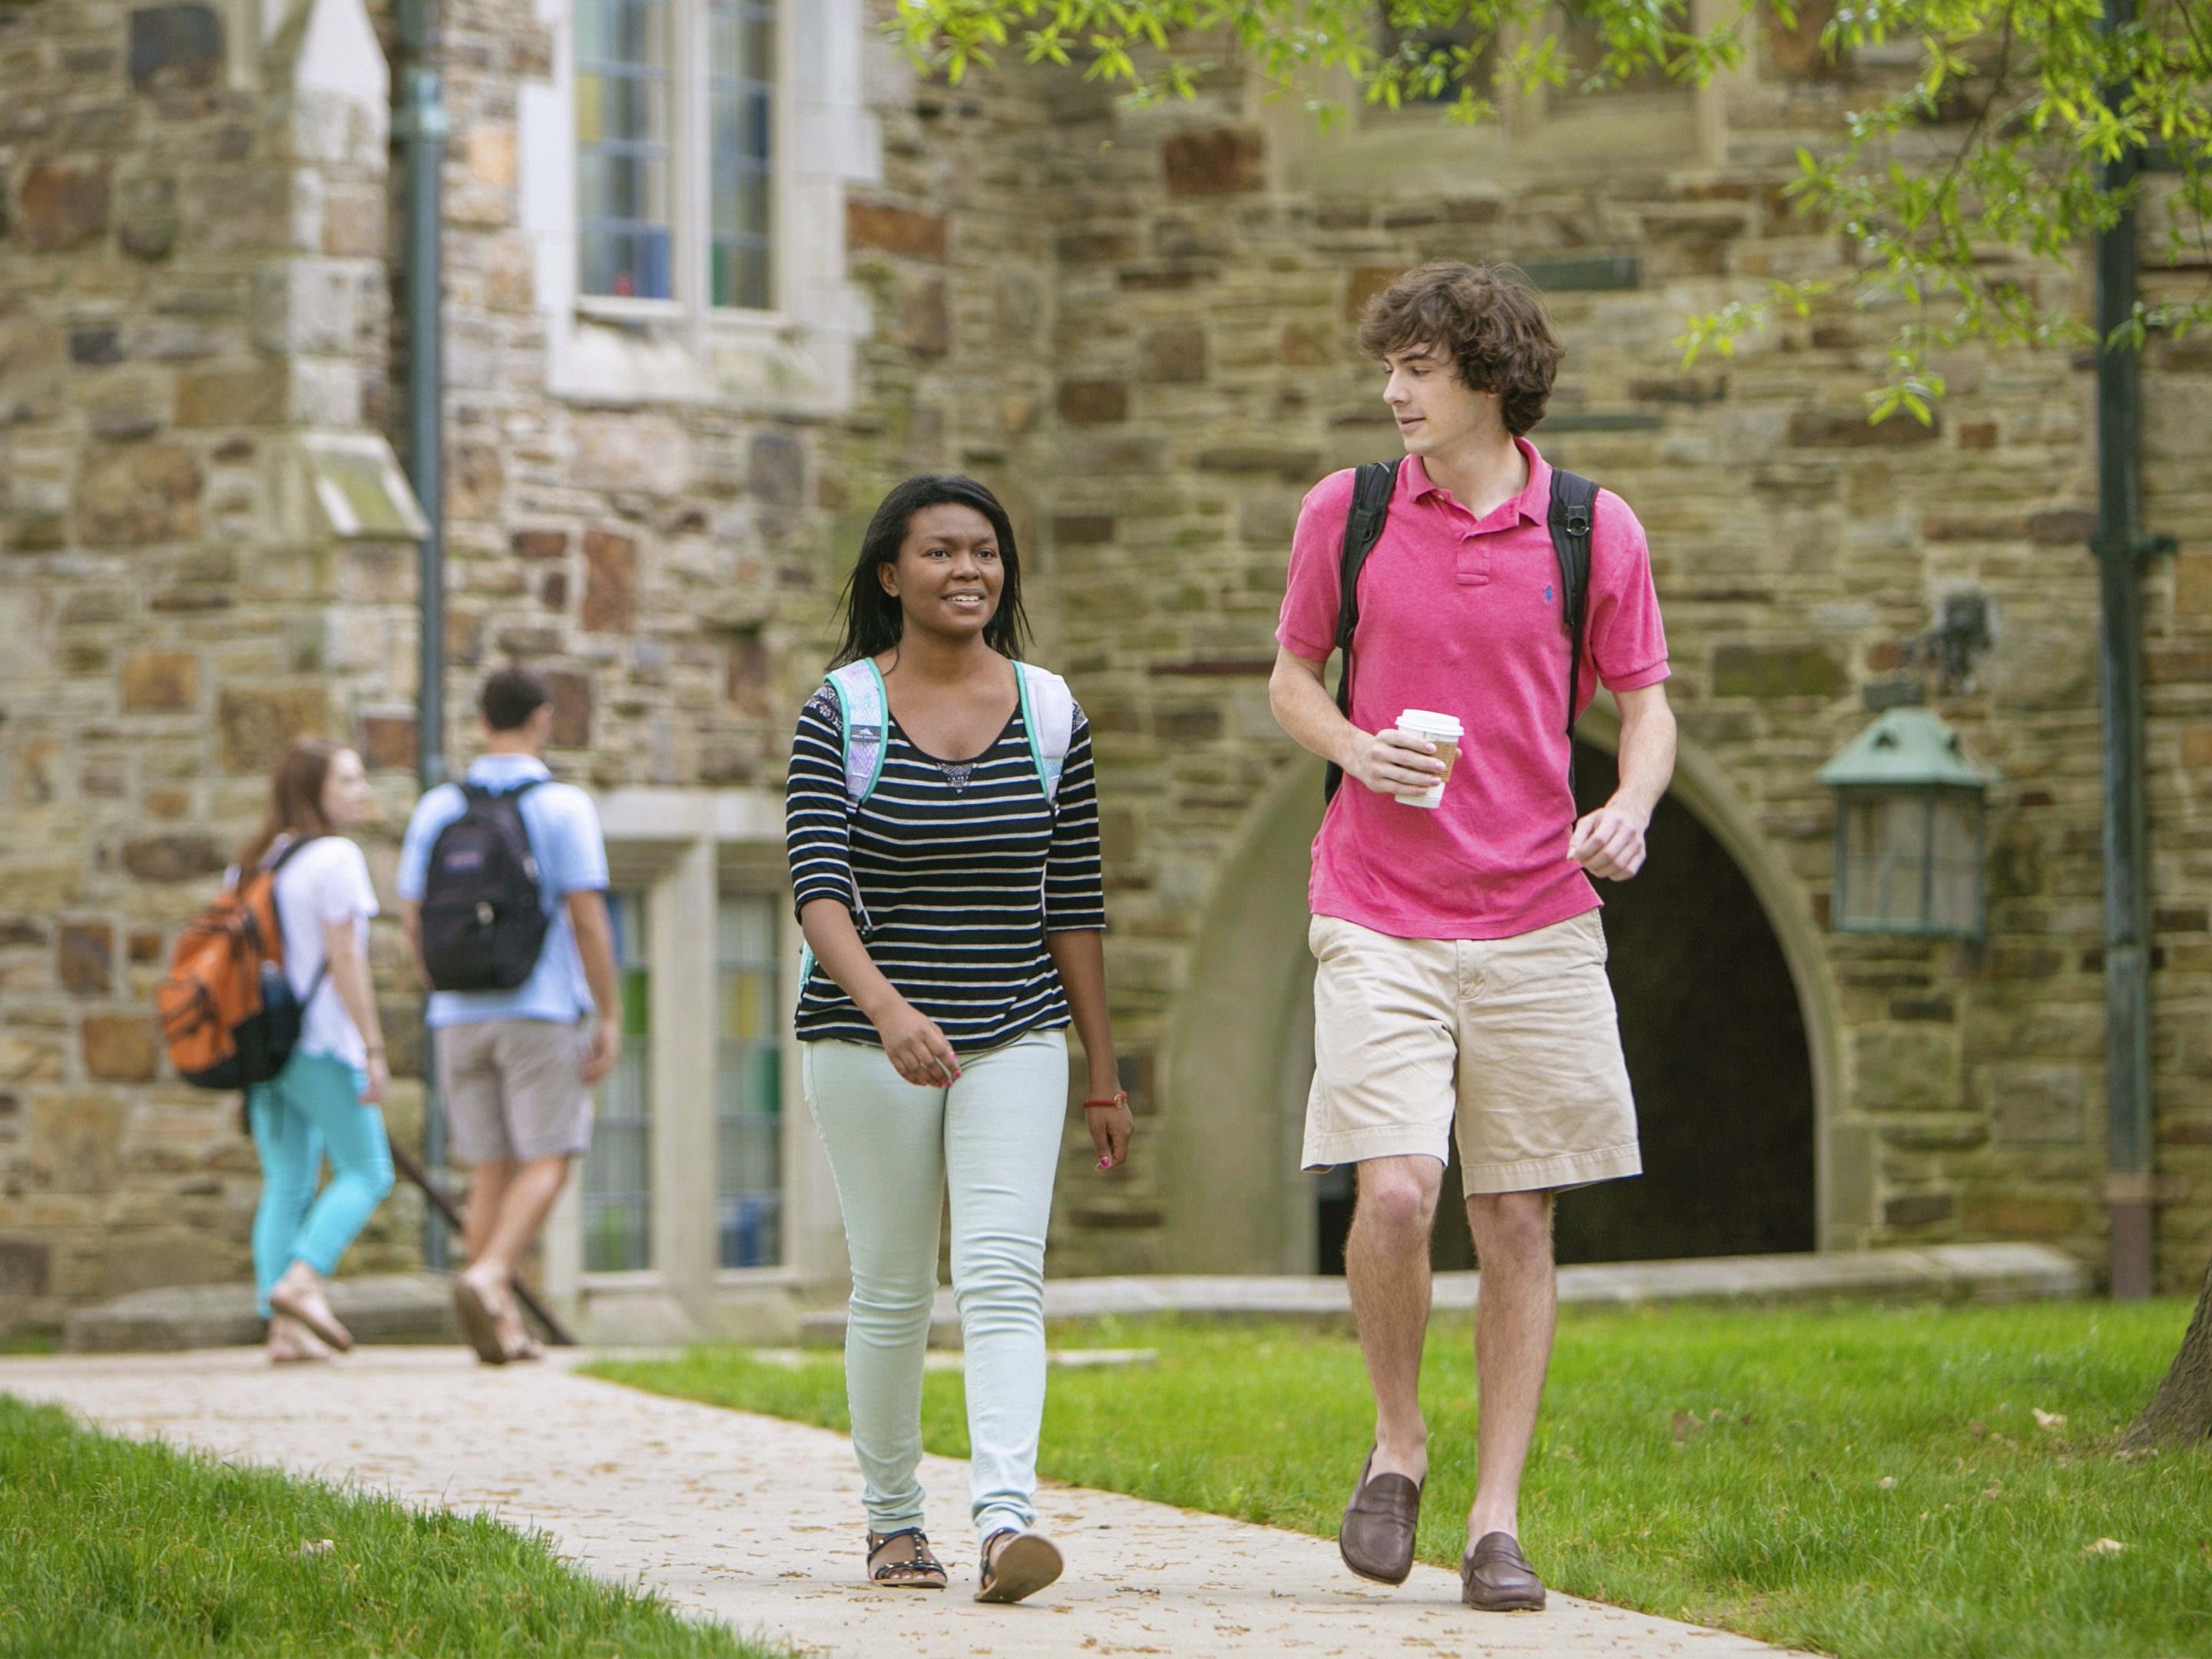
{"x":961,"y":870}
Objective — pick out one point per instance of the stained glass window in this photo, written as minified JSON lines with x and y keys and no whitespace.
{"x":645,"y":97}
{"x":623,"y":193}
{"x":1583,"y":50}
{"x":1441,"y":46}
{"x":748,"y":1084}
{"x":617,"y":1173}
{"x":741,"y":122}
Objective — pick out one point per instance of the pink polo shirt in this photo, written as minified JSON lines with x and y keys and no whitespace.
{"x":1462,"y":616}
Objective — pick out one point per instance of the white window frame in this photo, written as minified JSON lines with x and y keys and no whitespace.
{"x":797,"y":357}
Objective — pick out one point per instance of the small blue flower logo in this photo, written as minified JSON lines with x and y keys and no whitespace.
{"x":1547,"y":593}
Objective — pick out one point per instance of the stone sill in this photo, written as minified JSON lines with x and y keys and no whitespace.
{"x":666,"y":355}
{"x":1948,"y":1272}
{"x":411,"y":1308}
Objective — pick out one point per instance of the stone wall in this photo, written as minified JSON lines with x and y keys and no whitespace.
{"x":190,"y":280}
{"x":643,"y":558}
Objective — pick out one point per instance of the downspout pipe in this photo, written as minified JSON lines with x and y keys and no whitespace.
{"x":420,"y":128}
{"x":2121,"y":549}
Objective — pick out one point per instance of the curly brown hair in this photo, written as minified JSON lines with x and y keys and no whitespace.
{"x":1489,"y":318}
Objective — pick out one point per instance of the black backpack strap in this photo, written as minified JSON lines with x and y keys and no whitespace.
{"x":1371,"y":489}
{"x":475,"y":791}
{"x":1574,"y":508}
{"x":515,"y":795}
{"x":270,"y":866}
{"x":315,"y":988}
{"x":322,"y":973}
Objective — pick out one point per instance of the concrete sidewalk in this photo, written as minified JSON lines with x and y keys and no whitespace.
{"x":756,"y":1522}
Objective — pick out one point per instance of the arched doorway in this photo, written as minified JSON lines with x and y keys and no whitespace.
{"x":1714,"y":1008}
{"x":1716,"y":1050}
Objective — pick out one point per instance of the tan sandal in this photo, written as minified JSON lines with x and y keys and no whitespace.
{"x":1015,"y":1565}
{"x":921,"y":1570}
{"x":291,"y":1343}
{"x":479,"y":1323}
{"x":305,"y":1304}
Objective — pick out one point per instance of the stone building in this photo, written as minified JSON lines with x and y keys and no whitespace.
{"x":684,"y":356}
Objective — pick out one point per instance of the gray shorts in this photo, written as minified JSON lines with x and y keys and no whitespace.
{"x":515,"y":1089}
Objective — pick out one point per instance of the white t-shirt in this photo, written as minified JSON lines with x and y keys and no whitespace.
{"x":326,"y":881}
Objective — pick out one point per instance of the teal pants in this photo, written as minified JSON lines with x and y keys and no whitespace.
{"x":992,"y":1140}
{"x":311,"y":1109}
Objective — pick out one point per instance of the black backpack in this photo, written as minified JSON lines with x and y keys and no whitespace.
{"x":1574,"y":499}
{"x":483,"y":919}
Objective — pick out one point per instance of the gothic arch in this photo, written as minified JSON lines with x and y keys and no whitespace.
{"x":1239,"y":1049}
{"x":1701,"y":785}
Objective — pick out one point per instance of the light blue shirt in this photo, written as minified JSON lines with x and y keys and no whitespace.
{"x":564,"y":837}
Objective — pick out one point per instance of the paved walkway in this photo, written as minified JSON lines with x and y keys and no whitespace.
{"x":756,"y":1521}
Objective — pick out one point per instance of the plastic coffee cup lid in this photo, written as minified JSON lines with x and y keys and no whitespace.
{"x":1429,"y":723}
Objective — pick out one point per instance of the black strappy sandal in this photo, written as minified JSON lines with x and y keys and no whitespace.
{"x":921,"y":1570}
{"x":1015,"y":1565}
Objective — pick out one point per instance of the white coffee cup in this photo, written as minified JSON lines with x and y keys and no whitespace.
{"x":1444,"y":731}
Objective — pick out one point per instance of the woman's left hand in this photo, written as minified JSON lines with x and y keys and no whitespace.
{"x":378,"y":1079}
{"x":1110,"y":1126}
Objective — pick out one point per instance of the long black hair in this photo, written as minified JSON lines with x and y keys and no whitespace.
{"x":873,"y":620}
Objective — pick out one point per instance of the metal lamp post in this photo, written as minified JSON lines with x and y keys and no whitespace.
{"x":420,"y":127}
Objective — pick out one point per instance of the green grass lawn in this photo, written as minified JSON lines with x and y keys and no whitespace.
{"x":109,"y":1547}
{"x":1863,"y":1481}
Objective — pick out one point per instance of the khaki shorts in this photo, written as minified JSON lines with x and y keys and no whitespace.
{"x":515,"y":1089}
{"x":1514,"y":1040}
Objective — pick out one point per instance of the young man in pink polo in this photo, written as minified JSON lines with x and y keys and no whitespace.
{"x":1461,"y":985}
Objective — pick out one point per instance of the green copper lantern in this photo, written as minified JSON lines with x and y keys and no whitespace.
{"x":1909,"y":816}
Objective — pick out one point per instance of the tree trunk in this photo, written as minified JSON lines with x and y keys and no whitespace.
{"x":2181,"y":1410}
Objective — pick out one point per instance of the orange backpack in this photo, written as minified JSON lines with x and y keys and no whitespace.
{"x":227,"y":1010}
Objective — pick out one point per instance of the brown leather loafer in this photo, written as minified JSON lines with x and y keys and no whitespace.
{"x":1496,"y":1578}
{"x":1376,"y":1538}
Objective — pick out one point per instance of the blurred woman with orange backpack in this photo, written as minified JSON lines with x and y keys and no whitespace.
{"x":327,"y":1099}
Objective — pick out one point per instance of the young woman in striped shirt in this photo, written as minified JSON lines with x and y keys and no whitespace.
{"x":948,"y":884}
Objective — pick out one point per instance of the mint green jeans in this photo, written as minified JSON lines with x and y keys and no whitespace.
{"x":995,"y":1137}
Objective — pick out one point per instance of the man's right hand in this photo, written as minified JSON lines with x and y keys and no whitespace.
{"x":1391,"y":762}
{"x":606,"y":1048}
{"x":917,"y":1049}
